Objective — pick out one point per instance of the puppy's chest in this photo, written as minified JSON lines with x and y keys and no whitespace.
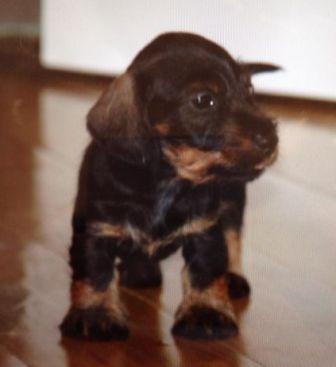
{"x":178,"y":202}
{"x":176,"y":210}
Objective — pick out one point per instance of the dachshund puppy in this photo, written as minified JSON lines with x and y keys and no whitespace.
{"x":175,"y":140}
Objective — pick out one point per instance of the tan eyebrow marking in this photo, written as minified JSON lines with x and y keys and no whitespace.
{"x":162,"y":128}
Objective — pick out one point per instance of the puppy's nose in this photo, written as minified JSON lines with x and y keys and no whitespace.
{"x":261,"y":141}
{"x":266,"y":143}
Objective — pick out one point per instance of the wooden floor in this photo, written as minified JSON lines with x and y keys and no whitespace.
{"x":289,"y":255}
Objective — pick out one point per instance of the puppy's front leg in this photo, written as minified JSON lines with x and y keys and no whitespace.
{"x":95,"y":312}
{"x":238,"y":285}
{"x":234,"y":198}
{"x":206,"y":311}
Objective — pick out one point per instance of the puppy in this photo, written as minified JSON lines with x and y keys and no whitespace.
{"x":175,"y":140}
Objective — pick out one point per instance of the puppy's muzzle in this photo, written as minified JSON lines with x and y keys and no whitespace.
{"x":266,"y":141}
{"x":250,"y":141}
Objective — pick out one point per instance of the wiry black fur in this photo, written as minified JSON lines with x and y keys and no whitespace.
{"x":126,"y":177}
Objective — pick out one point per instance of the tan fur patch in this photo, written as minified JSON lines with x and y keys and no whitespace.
{"x":195,"y":226}
{"x":193,"y":164}
{"x":162,"y":128}
{"x":106,"y":229}
{"x":215,"y":296}
{"x":122,"y":231}
{"x":83,"y":295}
{"x":150,"y":246}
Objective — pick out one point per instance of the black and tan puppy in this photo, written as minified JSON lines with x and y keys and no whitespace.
{"x":175,"y":139}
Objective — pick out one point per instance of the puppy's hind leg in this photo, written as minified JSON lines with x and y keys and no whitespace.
{"x":95,"y":312}
{"x":139,"y":271}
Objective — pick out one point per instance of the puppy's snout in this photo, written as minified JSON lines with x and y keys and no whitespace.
{"x":264,"y":134}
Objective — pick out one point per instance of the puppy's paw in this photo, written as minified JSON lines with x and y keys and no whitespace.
{"x":204,"y":322}
{"x":94,"y":323}
{"x":238,"y":286}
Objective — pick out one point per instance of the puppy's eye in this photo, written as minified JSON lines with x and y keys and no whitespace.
{"x":204,"y":100}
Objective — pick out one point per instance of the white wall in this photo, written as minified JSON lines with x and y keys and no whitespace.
{"x":103,"y":36}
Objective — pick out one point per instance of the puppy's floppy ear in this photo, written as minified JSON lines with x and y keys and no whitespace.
{"x":117,"y":113}
{"x":255,"y":68}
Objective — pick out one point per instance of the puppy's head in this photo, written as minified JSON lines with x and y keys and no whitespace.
{"x":189,"y":95}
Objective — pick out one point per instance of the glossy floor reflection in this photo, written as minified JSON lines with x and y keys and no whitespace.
{"x":289,"y":243}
